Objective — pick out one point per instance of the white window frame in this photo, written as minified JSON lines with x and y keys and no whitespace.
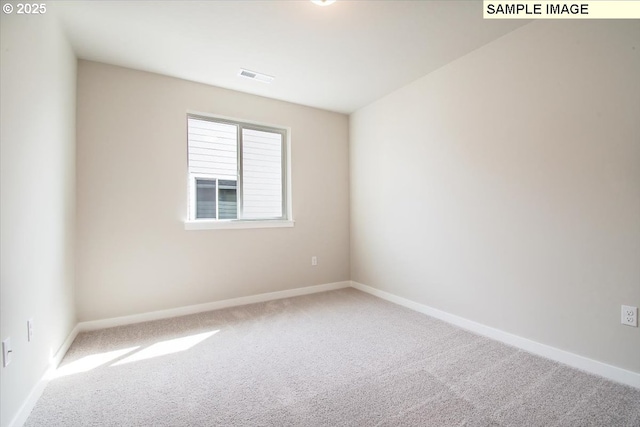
{"x":192,"y":223}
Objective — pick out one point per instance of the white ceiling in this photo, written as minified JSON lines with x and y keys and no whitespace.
{"x":339,"y":57}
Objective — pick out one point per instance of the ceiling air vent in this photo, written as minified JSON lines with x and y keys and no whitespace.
{"x":255,"y":76}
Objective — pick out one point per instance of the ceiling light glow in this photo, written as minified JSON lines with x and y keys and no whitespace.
{"x":323,"y":2}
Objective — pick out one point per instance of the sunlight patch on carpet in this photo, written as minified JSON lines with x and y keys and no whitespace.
{"x":90,"y":362}
{"x":163,"y":348}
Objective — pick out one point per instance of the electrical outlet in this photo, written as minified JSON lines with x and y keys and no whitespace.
{"x":629,"y":315}
{"x":30,"y":330}
{"x":6,"y":352}
{"x":314,"y":260}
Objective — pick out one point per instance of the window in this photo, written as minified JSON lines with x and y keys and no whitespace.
{"x":237,"y":171}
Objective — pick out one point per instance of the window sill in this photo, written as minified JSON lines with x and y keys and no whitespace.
{"x":222,"y":225}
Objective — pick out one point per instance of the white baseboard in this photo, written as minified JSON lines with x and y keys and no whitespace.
{"x":216,"y":305}
{"x":576,"y":361}
{"x":30,"y":402}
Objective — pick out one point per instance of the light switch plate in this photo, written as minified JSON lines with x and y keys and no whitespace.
{"x":6,"y":352}
{"x":30,"y":330}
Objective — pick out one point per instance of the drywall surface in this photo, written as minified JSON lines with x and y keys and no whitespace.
{"x":505,"y":187}
{"x":134,"y":255}
{"x":38,"y":71}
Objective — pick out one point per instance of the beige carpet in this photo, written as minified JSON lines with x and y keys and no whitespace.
{"x":340,"y":358}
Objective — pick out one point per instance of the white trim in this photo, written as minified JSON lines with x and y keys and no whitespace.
{"x":30,"y":402}
{"x":235,"y":224}
{"x":215,"y":305}
{"x":574,"y":360}
{"x":62,"y":351}
{"x":236,"y":119}
{"x":288,"y":177}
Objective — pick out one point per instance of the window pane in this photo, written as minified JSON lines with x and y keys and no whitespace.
{"x":205,"y":198}
{"x":228,"y":199}
{"x":262,"y":174}
{"x":213,"y":149}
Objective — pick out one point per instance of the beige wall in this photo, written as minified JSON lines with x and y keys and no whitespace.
{"x":134,"y":255}
{"x":505,"y":187}
{"x":37,"y":152}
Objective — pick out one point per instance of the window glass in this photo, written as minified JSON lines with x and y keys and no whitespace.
{"x":205,"y":198}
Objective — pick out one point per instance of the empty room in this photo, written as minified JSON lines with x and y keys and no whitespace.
{"x":320,"y":213}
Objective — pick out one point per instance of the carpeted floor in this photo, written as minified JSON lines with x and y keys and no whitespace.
{"x":340,"y":358}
